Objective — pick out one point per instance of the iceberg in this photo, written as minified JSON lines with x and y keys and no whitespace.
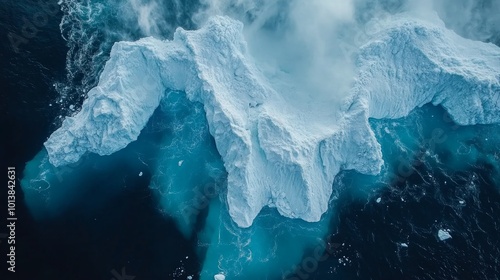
{"x":277,"y":151}
{"x":444,"y":234}
{"x":413,"y":63}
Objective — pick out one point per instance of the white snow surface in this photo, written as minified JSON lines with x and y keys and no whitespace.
{"x":279,"y":152}
{"x":114,"y":113}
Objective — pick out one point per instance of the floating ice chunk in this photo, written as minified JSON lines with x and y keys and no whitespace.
{"x":140,"y":174}
{"x":219,"y":277}
{"x":444,"y":234}
{"x":189,"y":277}
{"x":405,"y":245}
{"x":379,"y":200}
{"x":180,"y":162}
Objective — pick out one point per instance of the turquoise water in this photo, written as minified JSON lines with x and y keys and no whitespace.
{"x":187,"y":178}
{"x":436,"y":174}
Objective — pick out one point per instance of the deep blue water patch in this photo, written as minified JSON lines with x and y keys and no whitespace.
{"x":390,"y":230}
{"x":93,"y":236}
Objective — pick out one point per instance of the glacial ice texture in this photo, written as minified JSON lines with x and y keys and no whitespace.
{"x":277,"y":152}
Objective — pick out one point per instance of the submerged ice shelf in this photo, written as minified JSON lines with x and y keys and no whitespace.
{"x":278,"y":153}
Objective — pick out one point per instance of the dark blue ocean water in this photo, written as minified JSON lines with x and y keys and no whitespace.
{"x":84,"y":242}
{"x":115,"y":223}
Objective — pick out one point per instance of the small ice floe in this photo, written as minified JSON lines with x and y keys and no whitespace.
{"x":378,"y":200}
{"x":180,"y":162}
{"x":187,"y":257}
{"x":189,"y":277}
{"x":444,"y":234}
{"x":71,"y":107}
{"x":219,"y":277}
{"x":140,"y":174}
{"x":405,"y":245}
{"x":462,"y":202}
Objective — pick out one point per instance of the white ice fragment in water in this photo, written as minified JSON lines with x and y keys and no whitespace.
{"x":403,"y":245}
{"x":461,"y":201}
{"x":140,"y":174}
{"x":180,"y":162}
{"x":189,"y":277}
{"x":379,"y":199}
{"x":219,"y":277}
{"x":71,"y":107}
{"x":444,"y":234}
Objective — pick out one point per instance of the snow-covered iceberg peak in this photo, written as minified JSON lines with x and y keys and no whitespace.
{"x":282,"y":149}
{"x":411,"y":63}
